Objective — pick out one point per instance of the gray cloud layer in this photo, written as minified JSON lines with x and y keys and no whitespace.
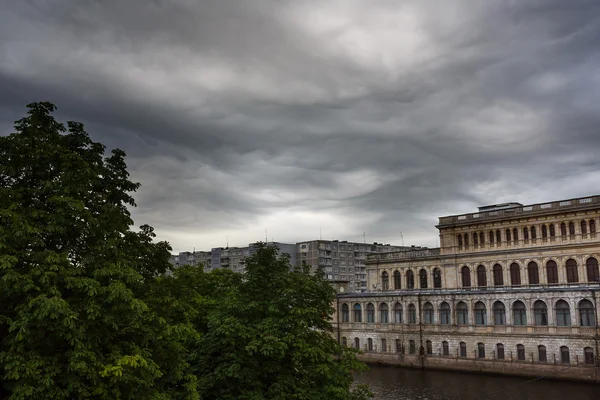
{"x":291,"y":116}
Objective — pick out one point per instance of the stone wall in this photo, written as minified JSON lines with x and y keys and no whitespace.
{"x":506,"y":367}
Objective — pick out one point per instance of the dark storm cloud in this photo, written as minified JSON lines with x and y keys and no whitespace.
{"x":349,"y":116}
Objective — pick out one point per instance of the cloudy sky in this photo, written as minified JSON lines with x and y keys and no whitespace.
{"x":298,"y":116}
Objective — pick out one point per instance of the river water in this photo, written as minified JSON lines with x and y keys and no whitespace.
{"x":393,"y":383}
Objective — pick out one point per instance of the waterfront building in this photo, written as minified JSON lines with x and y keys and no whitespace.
{"x":512,"y":289}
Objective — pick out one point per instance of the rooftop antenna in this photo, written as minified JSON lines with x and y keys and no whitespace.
{"x":402,"y":237}
{"x":320,"y":234}
{"x":227,"y":240}
{"x":266,"y":238}
{"x":364,"y":238}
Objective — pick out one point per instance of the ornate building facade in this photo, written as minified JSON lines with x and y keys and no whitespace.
{"x":512,"y":289}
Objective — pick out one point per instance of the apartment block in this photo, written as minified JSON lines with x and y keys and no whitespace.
{"x":228,"y":257}
{"x":343,"y":260}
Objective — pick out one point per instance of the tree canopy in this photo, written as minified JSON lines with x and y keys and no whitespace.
{"x":90,"y":308}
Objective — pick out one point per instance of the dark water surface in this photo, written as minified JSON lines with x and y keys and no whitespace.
{"x":392,"y":383}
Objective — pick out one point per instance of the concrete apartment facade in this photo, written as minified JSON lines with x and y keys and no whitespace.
{"x":513,"y":289}
{"x":342,"y":260}
{"x":228,"y":257}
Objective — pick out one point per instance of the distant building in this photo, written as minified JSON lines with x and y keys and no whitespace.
{"x":228,"y":257}
{"x":342,"y":260}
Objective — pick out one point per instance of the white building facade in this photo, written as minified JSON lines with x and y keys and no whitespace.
{"x":512,"y":289}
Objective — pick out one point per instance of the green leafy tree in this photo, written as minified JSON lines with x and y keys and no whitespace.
{"x":269,"y":336}
{"x":72,"y":274}
{"x":90,"y":309}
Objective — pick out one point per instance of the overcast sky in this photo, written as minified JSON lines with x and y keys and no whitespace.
{"x":299,"y":116}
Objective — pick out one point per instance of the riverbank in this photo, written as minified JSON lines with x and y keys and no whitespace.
{"x":392,"y":383}
{"x":573,"y":372}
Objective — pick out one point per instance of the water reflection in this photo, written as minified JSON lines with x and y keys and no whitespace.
{"x":390,"y":383}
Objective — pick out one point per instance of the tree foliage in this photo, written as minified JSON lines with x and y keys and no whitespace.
{"x":90,"y":309}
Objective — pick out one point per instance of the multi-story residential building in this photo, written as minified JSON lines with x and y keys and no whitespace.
{"x":512,"y":289}
{"x":228,"y":257}
{"x":342,"y":260}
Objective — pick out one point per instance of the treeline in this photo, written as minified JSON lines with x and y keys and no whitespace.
{"x":89,"y":308}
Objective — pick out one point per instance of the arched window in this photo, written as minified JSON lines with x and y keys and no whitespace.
{"x":552,"y":272}
{"x":519,"y":313}
{"x":475,"y":239}
{"x":563,"y":313}
{"x":593,"y":274}
{"x":357,"y":313}
{"x":428,"y":313}
{"x":498,"y":275}
{"x":533,"y":273}
{"x":542,"y":357}
{"x":345,"y":313}
{"x":385,"y":281}
{"x":429,"y":347}
{"x":592,"y":228}
{"x":515,"y":274}
{"x":370,"y":313}
{"x":398,"y":346}
{"x":540,"y":312}
{"x":412,"y":314}
{"x":491,"y":237}
{"x":423,"y":279}
{"x":588,"y":354}
{"x":520,"y":352}
{"x":344,"y":341}
{"x":466,"y":276}
{"x":383,"y":345}
{"x":571,"y":230}
{"x":444,"y":313}
{"x":498,"y":236}
{"x":500,"y":351}
{"x":499,"y":313}
{"x":565,"y":358}
{"x":397,"y":280}
{"x":572,"y":275}
{"x":480,"y":350}
{"x":544,"y":232}
{"x":515,"y":235}
{"x":481,"y":238}
{"x":410,"y":279}
{"x":480,"y":314}
{"x":445,"y":349}
{"x":526,"y":233}
{"x":437,"y":278}
{"x":460,"y":241}
{"x":586,"y":313}
{"x":463,"y":349}
{"x":398,"y":313}
{"x":563,"y":230}
{"x":481,"y":276}
{"x":357,"y":343}
{"x":412,"y":349}
{"x":533,"y":233}
{"x":370,"y":344}
{"x":383,"y":313}
{"x":508,"y":239}
{"x":584,"y":227}
{"x":462,"y":313}
{"x":552,"y":232}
